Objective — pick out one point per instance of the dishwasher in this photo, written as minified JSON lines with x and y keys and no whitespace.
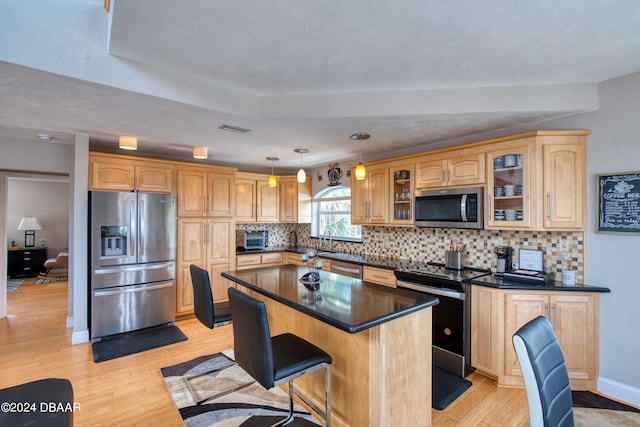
{"x":346,"y":269}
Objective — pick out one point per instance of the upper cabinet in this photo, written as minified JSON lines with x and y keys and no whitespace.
{"x":370,"y":197}
{"x":294,"y":200}
{"x":401,"y":194}
{"x":509,"y":186}
{"x":205,"y":192}
{"x":563,"y":182}
{"x":255,"y":201}
{"x":537,"y":182}
{"x":450,"y":169}
{"x":118,"y":173}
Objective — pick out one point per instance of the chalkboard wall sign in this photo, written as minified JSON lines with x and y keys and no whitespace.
{"x":618,"y":203}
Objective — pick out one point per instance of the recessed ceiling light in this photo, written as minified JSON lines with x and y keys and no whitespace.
{"x":45,"y":137}
{"x":233,"y":128}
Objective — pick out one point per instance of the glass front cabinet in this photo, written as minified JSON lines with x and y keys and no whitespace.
{"x":509,"y":188}
{"x":401,"y":194}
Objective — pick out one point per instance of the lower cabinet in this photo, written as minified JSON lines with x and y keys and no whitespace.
{"x":258,"y":260}
{"x":497,"y":314}
{"x":379,"y":276}
{"x":209,"y":244}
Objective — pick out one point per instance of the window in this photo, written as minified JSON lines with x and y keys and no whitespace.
{"x":332,"y":212}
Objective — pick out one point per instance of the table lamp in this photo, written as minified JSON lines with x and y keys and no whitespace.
{"x":29,"y":224}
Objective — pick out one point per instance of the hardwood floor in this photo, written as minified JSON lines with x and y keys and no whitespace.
{"x":34,"y":344}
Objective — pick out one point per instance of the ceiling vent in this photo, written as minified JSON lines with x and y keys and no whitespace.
{"x":233,"y":128}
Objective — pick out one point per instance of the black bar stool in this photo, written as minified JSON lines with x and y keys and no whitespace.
{"x":274,"y":360}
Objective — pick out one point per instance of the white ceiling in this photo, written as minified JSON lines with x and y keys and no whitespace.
{"x":412,"y":73}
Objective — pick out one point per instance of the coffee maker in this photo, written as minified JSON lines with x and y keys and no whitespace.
{"x":503,"y":263}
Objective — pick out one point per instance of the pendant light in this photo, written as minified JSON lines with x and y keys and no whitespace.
{"x":200,"y":153}
{"x":360,"y":172}
{"x":128,"y":142}
{"x":272,"y":178}
{"x":302,"y":175}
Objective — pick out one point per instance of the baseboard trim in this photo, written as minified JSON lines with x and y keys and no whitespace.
{"x":619,"y":391}
{"x":80,"y":337}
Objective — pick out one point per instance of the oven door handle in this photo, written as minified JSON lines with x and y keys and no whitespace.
{"x":431,"y":290}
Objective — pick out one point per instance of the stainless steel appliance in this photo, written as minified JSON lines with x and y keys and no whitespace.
{"x":451,"y":316}
{"x":132,"y":256}
{"x":449,"y":208}
{"x":252,"y":239}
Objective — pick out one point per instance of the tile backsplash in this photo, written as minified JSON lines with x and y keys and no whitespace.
{"x":429,"y":244}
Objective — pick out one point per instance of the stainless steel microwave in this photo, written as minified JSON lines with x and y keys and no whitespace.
{"x":449,"y":208}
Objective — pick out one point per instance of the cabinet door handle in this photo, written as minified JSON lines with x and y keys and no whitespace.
{"x":489,"y":207}
{"x":554,"y":316}
{"x":549,"y":198}
{"x":546,"y":311}
{"x":443,"y":176}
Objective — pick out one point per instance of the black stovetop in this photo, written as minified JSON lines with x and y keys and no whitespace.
{"x":437,"y":275}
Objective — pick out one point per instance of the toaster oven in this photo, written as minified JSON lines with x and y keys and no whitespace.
{"x":252,"y":239}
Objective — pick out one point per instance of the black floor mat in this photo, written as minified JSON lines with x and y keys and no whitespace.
{"x":135,"y":342}
{"x":446,"y":387}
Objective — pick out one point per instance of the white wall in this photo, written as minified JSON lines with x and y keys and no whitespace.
{"x":45,"y":197}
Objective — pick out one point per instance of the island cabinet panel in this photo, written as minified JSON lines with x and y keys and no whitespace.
{"x":379,"y":377}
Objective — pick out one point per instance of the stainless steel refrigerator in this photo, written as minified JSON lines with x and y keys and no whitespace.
{"x":132,"y":256}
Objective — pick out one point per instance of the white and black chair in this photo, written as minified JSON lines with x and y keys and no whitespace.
{"x":274,"y":360}
{"x":546,"y":379}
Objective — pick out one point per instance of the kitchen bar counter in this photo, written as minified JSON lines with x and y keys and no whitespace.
{"x":379,"y":339}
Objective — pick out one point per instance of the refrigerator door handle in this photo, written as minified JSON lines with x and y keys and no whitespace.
{"x":141,"y":229}
{"x":138,"y":267}
{"x":130,"y":289}
{"x":132,"y":227}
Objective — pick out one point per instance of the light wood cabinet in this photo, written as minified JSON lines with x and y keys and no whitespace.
{"x":205,"y":194}
{"x":401,"y":194}
{"x":563,"y":184}
{"x":443,"y":170}
{"x":209,"y":244}
{"x":547,"y":182}
{"x":258,"y":260}
{"x":294,"y":200}
{"x":498,"y":314}
{"x":370,"y":197}
{"x":255,"y":201}
{"x":485,"y":330}
{"x":379,"y":276}
{"x":118,"y":173}
{"x":510,"y":186}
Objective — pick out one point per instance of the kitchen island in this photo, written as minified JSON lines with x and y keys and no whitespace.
{"x":379,"y":339}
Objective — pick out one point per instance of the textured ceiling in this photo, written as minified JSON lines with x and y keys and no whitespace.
{"x":413,"y":74}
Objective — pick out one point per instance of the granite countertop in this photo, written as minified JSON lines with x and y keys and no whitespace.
{"x":393,"y":264}
{"x":346,"y":303}
{"x":498,"y":282}
{"x":370,"y":260}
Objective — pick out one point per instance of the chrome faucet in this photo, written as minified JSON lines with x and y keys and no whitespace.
{"x":327,"y":231}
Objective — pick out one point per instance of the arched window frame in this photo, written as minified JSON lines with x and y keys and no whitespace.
{"x":331,"y":209}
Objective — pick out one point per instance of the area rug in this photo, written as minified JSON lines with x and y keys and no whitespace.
{"x":250,"y":406}
{"x":49,"y":279}
{"x":14,"y":284}
{"x":590,"y":409}
{"x":446,"y":387}
{"x":136,"y":342}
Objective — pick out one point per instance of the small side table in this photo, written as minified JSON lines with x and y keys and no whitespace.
{"x":26,"y":262}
